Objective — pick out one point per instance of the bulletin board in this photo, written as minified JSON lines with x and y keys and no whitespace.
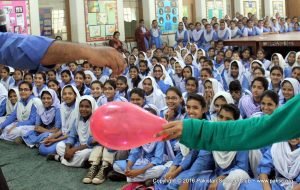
{"x":167,"y":15}
{"x":17,"y":16}
{"x":46,"y":21}
{"x":101,"y":19}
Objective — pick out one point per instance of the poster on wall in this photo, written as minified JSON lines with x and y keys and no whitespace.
{"x":46,"y":21}
{"x":250,"y":7}
{"x":17,"y":16}
{"x":278,"y":7}
{"x":101,"y":19}
{"x":167,"y":15}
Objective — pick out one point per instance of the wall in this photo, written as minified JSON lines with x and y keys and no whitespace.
{"x":292,"y":8}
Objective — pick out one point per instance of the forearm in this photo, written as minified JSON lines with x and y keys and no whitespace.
{"x":63,"y":52}
{"x":150,"y":165}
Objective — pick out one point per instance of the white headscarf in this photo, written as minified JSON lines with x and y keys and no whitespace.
{"x":297,"y":63}
{"x":47,"y":115}
{"x":197,"y":34}
{"x":157,"y":97}
{"x":208,"y":37}
{"x":9,"y":107}
{"x":282,"y":63}
{"x":136,"y":59}
{"x":295,"y":83}
{"x":167,"y":79}
{"x":68,"y":114}
{"x":215,"y":85}
{"x":23,"y":111}
{"x":221,"y":33}
{"x":83,"y":128}
{"x":227,"y":97}
{"x":88,"y":72}
{"x":241,"y":72}
{"x":234,"y":32}
{"x":286,"y":161}
{"x":287,"y":56}
{"x":224,"y":158}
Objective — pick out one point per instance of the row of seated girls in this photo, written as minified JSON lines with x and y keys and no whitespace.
{"x":50,"y":112}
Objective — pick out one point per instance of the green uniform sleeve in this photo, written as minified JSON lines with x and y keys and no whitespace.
{"x":253,"y":133}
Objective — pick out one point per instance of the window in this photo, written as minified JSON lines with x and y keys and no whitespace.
{"x":131,"y":16}
{"x":59,"y":23}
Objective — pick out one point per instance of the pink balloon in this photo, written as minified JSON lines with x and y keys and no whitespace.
{"x":123,"y":126}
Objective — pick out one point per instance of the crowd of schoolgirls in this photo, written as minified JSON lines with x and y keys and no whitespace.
{"x":51,"y":111}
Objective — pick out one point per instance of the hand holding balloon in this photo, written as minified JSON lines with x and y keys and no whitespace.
{"x":123,"y":126}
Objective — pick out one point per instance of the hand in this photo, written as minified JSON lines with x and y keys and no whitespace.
{"x":49,"y":141}
{"x":38,"y":129}
{"x":170,"y":115}
{"x":170,"y":175}
{"x":134,"y":173}
{"x":106,"y":57}
{"x":10,"y":130}
{"x":69,"y":154}
{"x":171,"y":130}
{"x":213,"y":186}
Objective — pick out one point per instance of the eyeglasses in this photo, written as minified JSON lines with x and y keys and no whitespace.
{"x":24,"y":89}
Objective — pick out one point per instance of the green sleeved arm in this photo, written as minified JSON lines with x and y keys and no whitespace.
{"x":253,"y":133}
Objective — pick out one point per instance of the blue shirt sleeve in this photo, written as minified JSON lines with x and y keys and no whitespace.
{"x":3,"y":108}
{"x":266,"y":164}
{"x":72,"y":137}
{"x":32,"y":118}
{"x":189,"y":160}
{"x":38,"y":120}
{"x":23,"y":51}
{"x":10,"y":119}
{"x":57,"y":119}
{"x":204,"y":161}
{"x":159,"y":153}
{"x":134,"y":154}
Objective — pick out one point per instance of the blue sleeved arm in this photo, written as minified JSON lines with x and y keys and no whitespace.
{"x":57,"y":119}
{"x":38,"y":120}
{"x":242,"y":161}
{"x":134,"y":154}
{"x":72,"y":136}
{"x":186,"y":38}
{"x":266,"y":164}
{"x":11,"y":118}
{"x":189,"y":160}
{"x":159,"y":153}
{"x":215,"y":36}
{"x":3,"y":108}
{"x":31,"y":120}
{"x":177,"y":159}
{"x":23,"y":51}
{"x":204,"y":161}
{"x":176,"y":37}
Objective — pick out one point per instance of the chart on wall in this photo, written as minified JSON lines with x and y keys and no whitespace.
{"x":46,"y":21}
{"x":101,"y":19}
{"x":167,"y":15}
{"x":278,"y":7}
{"x":250,"y":7}
{"x":17,"y":16}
